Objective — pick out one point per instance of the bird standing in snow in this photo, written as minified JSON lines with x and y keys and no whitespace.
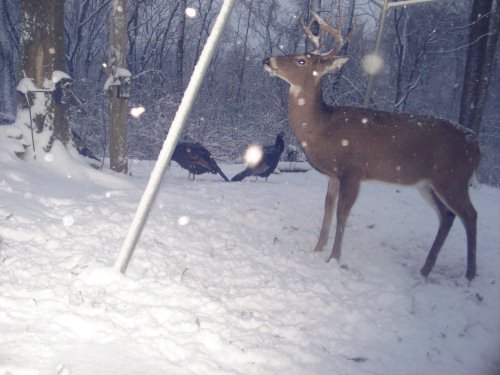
{"x":267,"y":164}
{"x":196,"y":159}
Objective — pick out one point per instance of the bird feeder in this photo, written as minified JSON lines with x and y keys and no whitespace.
{"x":124,"y":87}
{"x":62,"y":92}
{"x":120,"y":82}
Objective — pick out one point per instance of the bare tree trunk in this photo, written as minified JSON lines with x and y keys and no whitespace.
{"x":41,"y":53}
{"x":269,"y":21}
{"x":244,"y":57}
{"x":7,"y":68}
{"x":204,"y":28}
{"x":483,"y":35}
{"x":180,"y":47}
{"x":348,"y":27}
{"x":166,"y":35}
{"x":400,"y":45}
{"x":118,"y":105}
{"x":61,"y":124}
{"x":133,"y":32}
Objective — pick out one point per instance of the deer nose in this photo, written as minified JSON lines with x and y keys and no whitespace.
{"x":266,"y":61}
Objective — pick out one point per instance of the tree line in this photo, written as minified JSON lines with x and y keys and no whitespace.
{"x":434,"y":54}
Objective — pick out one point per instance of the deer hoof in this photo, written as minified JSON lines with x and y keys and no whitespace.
{"x":425,"y":271}
{"x":471,"y":273}
{"x":332,"y":257}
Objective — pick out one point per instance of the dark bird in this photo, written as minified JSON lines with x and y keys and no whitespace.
{"x":270,"y":156}
{"x":196,"y":159}
{"x":82,"y":147}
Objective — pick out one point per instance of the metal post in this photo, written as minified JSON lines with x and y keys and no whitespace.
{"x":385,"y":7}
{"x":371,"y":79}
{"x":173,"y":136}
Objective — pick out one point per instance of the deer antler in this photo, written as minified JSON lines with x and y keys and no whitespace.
{"x":324,"y":27}
{"x":336,"y":33}
{"x":314,"y":39}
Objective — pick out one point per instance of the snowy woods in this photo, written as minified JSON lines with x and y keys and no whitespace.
{"x":424,"y":49}
{"x":224,"y":279}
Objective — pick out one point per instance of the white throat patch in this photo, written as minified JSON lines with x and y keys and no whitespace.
{"x":295,"y":90}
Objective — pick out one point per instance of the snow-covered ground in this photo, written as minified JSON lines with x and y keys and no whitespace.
{"x":224,"y":281}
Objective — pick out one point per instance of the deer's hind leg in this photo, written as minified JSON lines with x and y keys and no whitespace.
{"x":456,"y":197}
{"x":331,"y":196}
{"x":446,"y":218}
{"x":349,"y":185}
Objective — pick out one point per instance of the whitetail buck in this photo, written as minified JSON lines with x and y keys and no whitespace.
{"x":351,"y":145}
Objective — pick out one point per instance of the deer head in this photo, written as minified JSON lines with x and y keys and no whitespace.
{"x":351,"y":145}
{"x":301,"y":70}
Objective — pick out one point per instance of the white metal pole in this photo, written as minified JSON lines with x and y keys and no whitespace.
{"x":371,"y":78}
{"x":167,"y":150}
{"x":404,"y":3}
{"x":386,"y":6}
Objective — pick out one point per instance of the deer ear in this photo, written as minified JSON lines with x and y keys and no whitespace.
{"x":335,"y":64}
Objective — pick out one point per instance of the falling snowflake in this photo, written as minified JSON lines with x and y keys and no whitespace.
{"x":48,"y":157}
{"x":137,"y":111}
{"x":183,"y":220}
{"x":190,"y":12}
{"x":68,"y":220}
{"x":372,"y":64}
{"x":253,"y":155}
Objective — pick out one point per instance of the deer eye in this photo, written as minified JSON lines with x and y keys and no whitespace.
{"x":301,"y":61}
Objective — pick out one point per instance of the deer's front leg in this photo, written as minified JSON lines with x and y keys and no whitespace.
{"x":331,"y":195}
{"x":348,"y":192}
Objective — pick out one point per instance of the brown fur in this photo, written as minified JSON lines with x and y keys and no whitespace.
{"x":351,"y":145}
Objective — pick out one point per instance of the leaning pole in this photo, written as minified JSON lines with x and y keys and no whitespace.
{"x":170,"y":142}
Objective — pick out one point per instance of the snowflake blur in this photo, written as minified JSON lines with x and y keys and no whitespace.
{"x":372,"y":63}
{"x":190,"y":12}
{"x":137,"y":111}
{"x":68,"y":220}
{"x":253,"y":155}
{"x":183,"y":220}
